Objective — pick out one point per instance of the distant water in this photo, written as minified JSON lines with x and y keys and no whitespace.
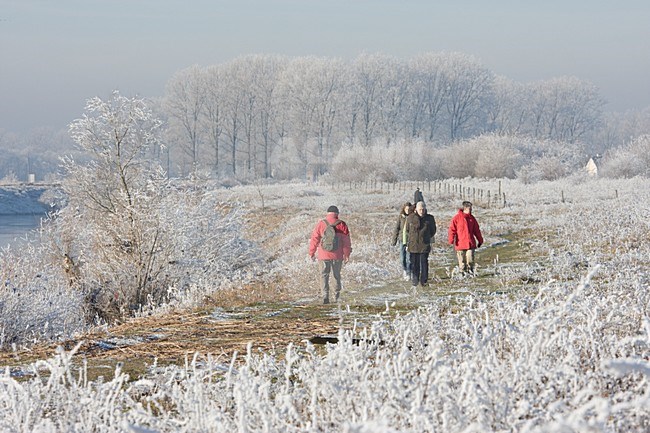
{"x":13,"y":227}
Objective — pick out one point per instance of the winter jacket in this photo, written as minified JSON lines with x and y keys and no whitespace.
{"x":464,"y":232}
{"x":398,"y":232}
{"x":420,"y":230}
{"x":342,"y":233}
{"x":418,"y":197}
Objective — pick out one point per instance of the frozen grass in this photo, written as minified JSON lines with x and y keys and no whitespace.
{"x":564,"y":347}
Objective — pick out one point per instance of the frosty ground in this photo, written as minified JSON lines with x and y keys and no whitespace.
{"x":551,"y":336}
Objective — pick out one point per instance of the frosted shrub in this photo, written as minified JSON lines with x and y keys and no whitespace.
{"x":36,"y":302}
{"x":622,"y":164}
{"x":459,"y":159}
{"x":498,"y":156}
{"x":400,"y":160}
{"x":544,"y":168}
{"x":193,"y":243}
{"x":484,"y":156}
{"x":415,"y":160}
{"x":507,"y":156}
{"x":628,"y":161}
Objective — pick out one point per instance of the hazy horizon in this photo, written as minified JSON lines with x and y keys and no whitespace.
{"x":58,"y":55}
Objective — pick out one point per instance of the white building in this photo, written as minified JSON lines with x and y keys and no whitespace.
{"x":591,"y":167}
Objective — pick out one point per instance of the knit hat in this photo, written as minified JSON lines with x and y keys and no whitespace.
{"x":333,"y":209}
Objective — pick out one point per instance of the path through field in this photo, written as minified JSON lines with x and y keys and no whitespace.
{"x":225,"y":332}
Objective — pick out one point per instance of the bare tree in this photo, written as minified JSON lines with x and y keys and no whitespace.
{"x":565,"y":109}
{"x":368,"y":83}
{"x":429,"y":93}
{"x":185,"y":100}
{"x":394,"y":101}
{"x":214,"y":116}
{"x":235,"y":100}
{"x":508,"y":110}
{"x":268,"y":106}
{"x":469,"y":85}
{"x":310,"y":89}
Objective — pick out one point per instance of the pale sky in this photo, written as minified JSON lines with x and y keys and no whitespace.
{"x":55,"y":54}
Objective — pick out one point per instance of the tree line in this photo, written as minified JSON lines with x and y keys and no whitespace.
{"x":269,"y":116}
{"x":264,"y":116}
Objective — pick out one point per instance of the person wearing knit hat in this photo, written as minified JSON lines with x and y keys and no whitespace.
{"x":330,"y":243}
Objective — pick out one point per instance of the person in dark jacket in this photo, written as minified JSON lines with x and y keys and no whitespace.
{"x":420,"y":229}
{"x":330,"y":261}
{"x":465,"y":235}
{"x":417,"y":196}
{"x":399,"y":238}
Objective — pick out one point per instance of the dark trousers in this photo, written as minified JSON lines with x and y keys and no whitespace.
{"x":333,"y":266}
{"x":419,"y":268}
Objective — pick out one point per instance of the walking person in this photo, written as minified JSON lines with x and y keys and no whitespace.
{"x":420,"y":228}
{"x":418,"y":196}
{"x":399,"y":238}
{"x":465,"y":235}
{"x":330,"y":242}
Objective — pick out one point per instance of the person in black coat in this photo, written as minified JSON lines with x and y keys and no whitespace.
{"x":417,"y":196}
{"x":420,"y":229}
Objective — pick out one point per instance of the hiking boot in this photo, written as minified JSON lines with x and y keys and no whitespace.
{"x":326,"y":301}
{"x":406,"y":276}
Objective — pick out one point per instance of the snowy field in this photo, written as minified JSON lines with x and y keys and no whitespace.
{"x":558,"y":340}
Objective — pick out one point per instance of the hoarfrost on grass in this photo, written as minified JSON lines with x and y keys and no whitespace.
{"x":569,"y":353}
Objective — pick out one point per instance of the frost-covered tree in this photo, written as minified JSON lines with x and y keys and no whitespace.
{"x":393,"y":105}
{"x":259,"y":79}
{"x":185,"y":100}
{"x":565,"y":109}
{"x":110,"y":224}
{"x":469,"y":86}
{"x":368,"y":86}
{"x":310,"y":91}
{"x":213,"y":115}
{"x":266,"y":87}
{"x":235,"y":100}
{"x":618,"y":129}
{"x":429,"y":91}
{"x":508,"y":110}
{"x":131,"y":239}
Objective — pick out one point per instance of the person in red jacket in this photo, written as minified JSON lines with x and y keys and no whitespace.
{"x":465,"y":236}
{"x":330,"y":261}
